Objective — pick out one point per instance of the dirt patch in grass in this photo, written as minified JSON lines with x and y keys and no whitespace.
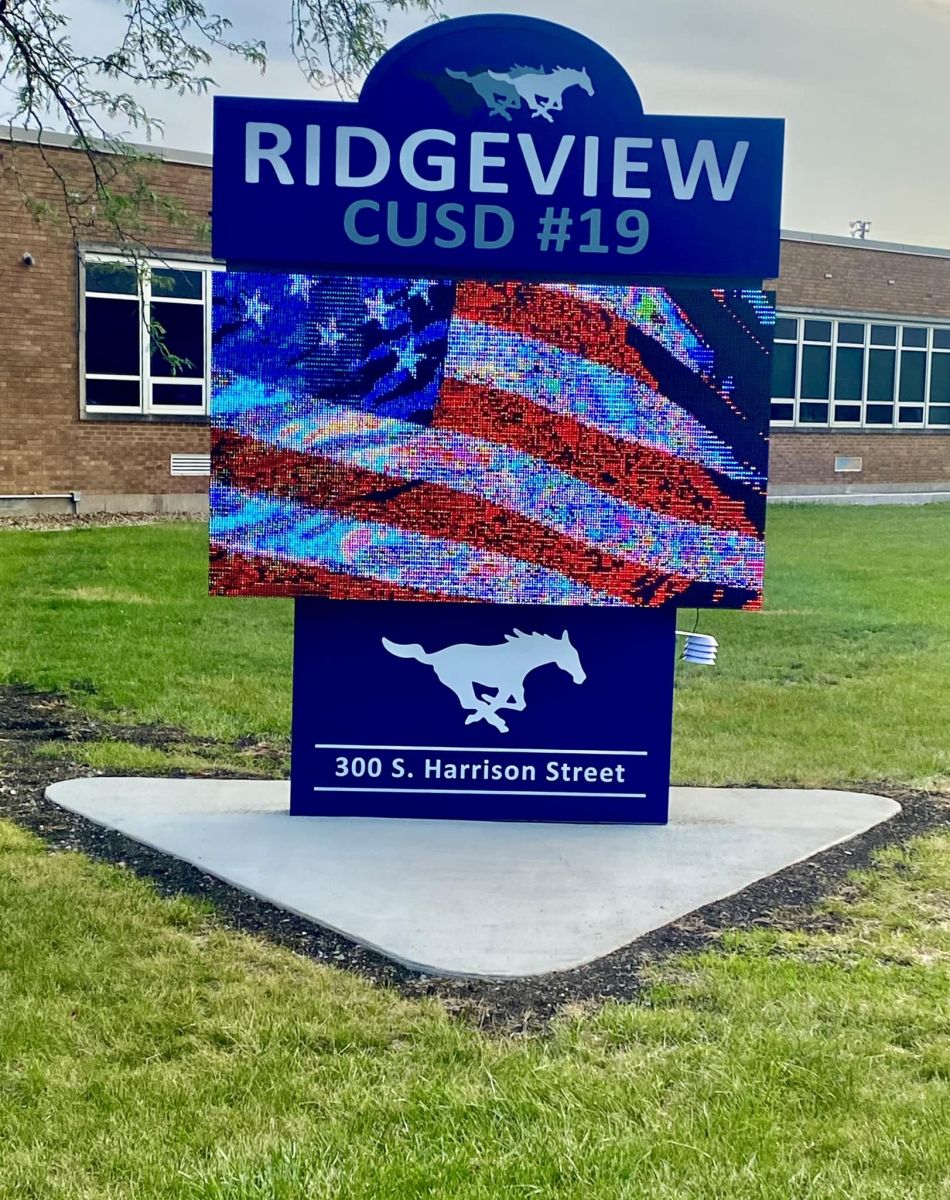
{"x":48,"y":522}
{"x":787,"y":900}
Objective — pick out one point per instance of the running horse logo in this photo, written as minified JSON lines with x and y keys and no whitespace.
{"x":504,"y":668}
{"x":542,"y":91}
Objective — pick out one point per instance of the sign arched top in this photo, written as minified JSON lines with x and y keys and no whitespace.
{"x":444,"y":67}
{"x":496,"y":146}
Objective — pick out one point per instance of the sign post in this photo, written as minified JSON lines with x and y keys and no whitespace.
{"x":491,"y":400}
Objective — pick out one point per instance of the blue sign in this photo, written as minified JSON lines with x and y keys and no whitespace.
{"x":482,"y":712}
{"x":495,"y":145}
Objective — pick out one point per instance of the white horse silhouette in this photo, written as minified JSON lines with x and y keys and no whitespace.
{"x":503,"y":667}
{"x":497,"y":93}
{"x":542,"y":93}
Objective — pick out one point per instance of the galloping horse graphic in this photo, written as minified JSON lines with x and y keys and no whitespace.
{"x":498,"y":94}
{"x":503,"y":667}
{"x":542,"y":93}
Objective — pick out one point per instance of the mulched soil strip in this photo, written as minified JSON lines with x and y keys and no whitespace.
{"x":47,"y":522}
{"x":783,"y":901}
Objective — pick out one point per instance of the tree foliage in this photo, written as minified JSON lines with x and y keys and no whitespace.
{"x":52,"y":82}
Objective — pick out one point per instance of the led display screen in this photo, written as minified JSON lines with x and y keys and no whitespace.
{"x":509,"y":443}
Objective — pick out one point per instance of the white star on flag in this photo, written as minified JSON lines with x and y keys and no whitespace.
{"x":300,"y":286}
{"x":409,"y":357}
{"x":420,"y":288}
{"x":330,"y":334}
{"x":379,"y":307}
{"x":254,"y":308}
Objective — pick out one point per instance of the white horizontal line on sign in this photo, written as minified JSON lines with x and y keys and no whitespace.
{"x":478,"y":749}
{"x":489,"y":792}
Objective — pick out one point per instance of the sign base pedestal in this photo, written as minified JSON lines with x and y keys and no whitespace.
{"x":482,"y":712}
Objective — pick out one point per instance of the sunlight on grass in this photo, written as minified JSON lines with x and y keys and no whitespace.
{"x":843,"y":677}
{"x":123,"y":757}
{"x":144,"y":1051}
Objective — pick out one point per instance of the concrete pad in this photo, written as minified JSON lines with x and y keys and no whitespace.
{"x":470,"y":897}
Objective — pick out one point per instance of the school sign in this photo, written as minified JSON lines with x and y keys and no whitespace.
{"x":491,"y":396}
{"x":496,"y":144}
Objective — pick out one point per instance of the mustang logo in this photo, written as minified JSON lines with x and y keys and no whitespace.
{"x":503,"y":668}
{"x":542,"y":91}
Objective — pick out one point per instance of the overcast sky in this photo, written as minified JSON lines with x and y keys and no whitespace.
{"x":863,"y":84}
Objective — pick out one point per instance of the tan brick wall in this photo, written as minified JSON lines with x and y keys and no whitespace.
{"x":856,"y":279}
{"x":888,"y":458}
{"x":44,"y":446}
{"x":861,"y":280}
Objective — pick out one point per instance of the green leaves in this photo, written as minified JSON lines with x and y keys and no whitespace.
{"x":162,"y":44}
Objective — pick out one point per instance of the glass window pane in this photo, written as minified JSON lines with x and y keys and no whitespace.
{"x":184,"y":326}
{"x":116,"y":278}
{"x":817,"y":331}
{"x":849,"y":373}
{"x":786,"y":328}
{"x":782,"y":412}
{"x":911,"y":336}
{"x":116,"y":393}
{"x":940,"y":378}
{"x":942,"y":339}
{"x":939,"y":415}
{"x":911,"y":416}
{"x":182,"y":285}
{"x":816,"y":369}
{"x":884,"y":335}
{"x":913,"y":372}
{"x":813,"y":413}
{"x":880,"y":414}
{"x":848,"y":414}
{"x":113,"y":329}
{"x":182,"y":395}
{"x":783,"y":370}
{"x":851,"y":333}
{"x":881,"y":366}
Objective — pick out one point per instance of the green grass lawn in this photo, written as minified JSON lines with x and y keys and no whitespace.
{"x":146,"y":1053}
{"x":842,"y":677}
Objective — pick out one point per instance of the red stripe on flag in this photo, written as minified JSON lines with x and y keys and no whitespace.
{"x":434,"y":510}
{"x":632,"y":472}
{"x":567,"y":322}
{"x":233,"y":574}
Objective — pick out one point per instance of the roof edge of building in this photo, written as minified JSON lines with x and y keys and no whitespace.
{"x":850,"y":243}
{"x":196,"y":158}
{"x":67,"y":141}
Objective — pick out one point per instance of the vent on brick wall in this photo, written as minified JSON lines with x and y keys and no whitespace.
{"x":848,"y":462}
{"x":191,"y":464}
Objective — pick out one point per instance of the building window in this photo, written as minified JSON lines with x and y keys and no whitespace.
{"x":842,"y":372}
{"x":145,"y":333}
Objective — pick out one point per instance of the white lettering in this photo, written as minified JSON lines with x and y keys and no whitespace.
{"x":349,"y":222}
{"x":392,"y":224}
{"x":544,"y":185}
{"x":507,"y":232}
{"x":624,"y":167}
{"x":481,"y":162}
{"x":446,"y":220}
{"x":345,"y":136}
{"x":255,"y":153}
{"x":705,"y":156}
{"x":313,"y":155}
{"x":445,"y":165}
{"x":591,"y":165}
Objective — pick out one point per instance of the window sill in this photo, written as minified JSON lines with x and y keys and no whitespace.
{"x":112,"y":418}
{"x":838,"y":430}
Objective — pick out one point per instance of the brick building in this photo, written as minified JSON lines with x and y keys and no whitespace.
{"x":91,"y":419}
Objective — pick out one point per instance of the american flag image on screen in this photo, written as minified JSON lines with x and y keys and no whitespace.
{"x":506,"y":443}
